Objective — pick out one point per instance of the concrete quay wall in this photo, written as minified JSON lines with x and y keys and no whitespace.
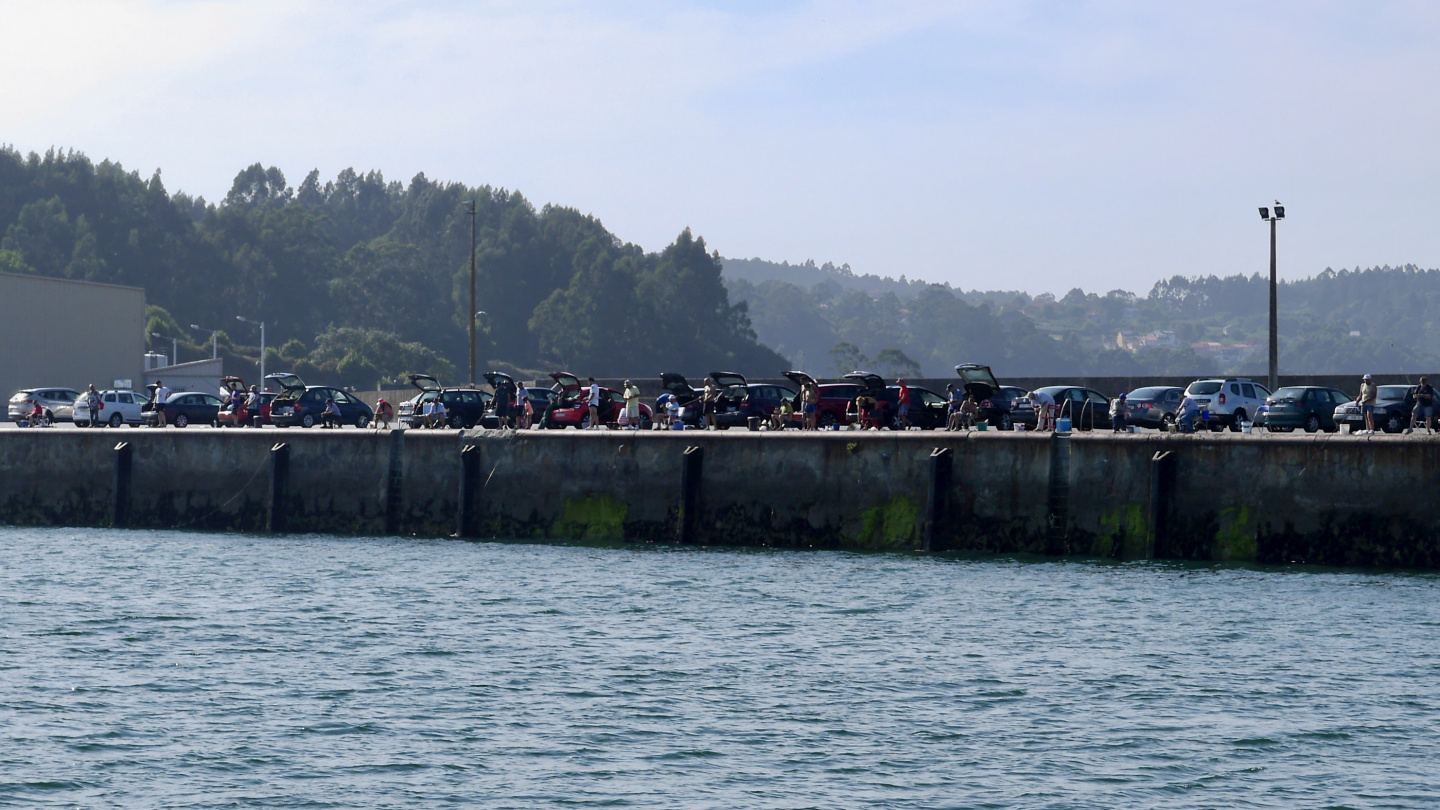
{"x":1321,"y":499}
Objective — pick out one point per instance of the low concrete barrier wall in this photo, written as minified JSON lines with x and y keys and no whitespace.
{"x":1317,"y":499}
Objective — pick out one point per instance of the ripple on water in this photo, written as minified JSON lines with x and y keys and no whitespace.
{"x":190,"y":670}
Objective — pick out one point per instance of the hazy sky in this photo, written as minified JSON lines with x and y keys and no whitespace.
{"x":1030,"y":145}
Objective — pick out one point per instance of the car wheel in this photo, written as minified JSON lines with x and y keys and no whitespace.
{"x":307,"y":421}
{"x":1005,"y":423}
{"x":1312,"y":424}
{"x":1217,"y":426}
{"x":645,"y":422}
{"x":828,"y":419}
{"x":181,"y":420}
{"x":362,"y":421}
{"x":1167,"y":420}
{"x":456,"y":422}
{"x":585,"y":421}
{"x":116,"y":421}
{"x":1393,"y":424}
{"x":1236,"y":420}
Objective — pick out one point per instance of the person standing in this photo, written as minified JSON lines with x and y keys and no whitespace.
{"x":902,"y":399}
{"x":93,"y":402}
{"x":810,"y":401}
{"x":524,"y":410}
{"x":594,"y":404}
{"x":1424,"y":405}
{"x":1367,"y":402}
{"x":162,"y":395}
{"x":709,"y":400}
{"x":252,"y":406}
{"x":1119,"y":413}
{"x":632,"y":405}
{"x":1044,"y":410}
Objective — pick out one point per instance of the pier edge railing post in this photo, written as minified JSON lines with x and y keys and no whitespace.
{"x":1058,"y":495}
{"x":938,"y":501}
{"x":395,"y":482}
{"x":469,"y":490}
{"x":120,"y":507}
{"x":691,"y":468}
{"x":1162,"y":494}
{"x":277,"y":518}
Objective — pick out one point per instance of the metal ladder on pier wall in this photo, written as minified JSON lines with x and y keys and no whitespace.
{"x":1058,"y":505}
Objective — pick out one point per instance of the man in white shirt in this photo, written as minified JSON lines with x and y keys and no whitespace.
{"x":439,"y":414}
{"x":594,"y":403}
{"x":162,"y":394}
{"x":1044,"y":410}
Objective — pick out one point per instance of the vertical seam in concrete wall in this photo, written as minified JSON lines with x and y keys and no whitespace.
{"x":394,"y":490}
{"x":1059,"y":494}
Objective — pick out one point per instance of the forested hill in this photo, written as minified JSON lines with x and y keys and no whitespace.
{"x":361,"y":279}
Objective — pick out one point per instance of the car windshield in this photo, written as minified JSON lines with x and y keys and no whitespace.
{"x":1288,"y":393}
{"x":1393,"y":391}
{"x":1204,"y":387}
{"x":1148,"y":393}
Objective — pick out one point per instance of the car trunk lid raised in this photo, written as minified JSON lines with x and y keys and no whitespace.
{"x":978,"y":380}
{"x":675,"y":383}
{"x":799,"y":377}
{"x":869,"y":379}
{"x":498,"y":378}
{"x":566,"y":380}
{"x":728,"y":379}
{"x":424,"y":382}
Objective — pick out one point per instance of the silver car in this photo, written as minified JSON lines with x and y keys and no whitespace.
{"x":57,"y":403}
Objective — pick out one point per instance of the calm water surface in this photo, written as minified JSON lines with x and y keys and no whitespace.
{"x":192,"y":670}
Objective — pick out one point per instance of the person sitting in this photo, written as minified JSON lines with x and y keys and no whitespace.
{"x":865,"y":408}
{"x":969,"y":410}
{"x":953,"y":400}
{"x":438,"y":415}
{"x":384,"y":412}
{"x":1189,"y":409}
{"x":331,"y":416}
{"x":37,"y":415}
{"x":780,"y":419}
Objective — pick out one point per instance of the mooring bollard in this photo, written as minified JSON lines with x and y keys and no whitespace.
{"x":120,"y":507}
{"x":691,"y":467}
{"x":937,"y":507}
{"x":1162,"y":494}
{"x":1058,"y":506}
{"x":469,"y":490}
{"x":277,"y":518}
{"x":395,"y":482}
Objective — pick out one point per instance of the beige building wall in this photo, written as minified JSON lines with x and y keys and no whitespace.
{"x":56,"y":332}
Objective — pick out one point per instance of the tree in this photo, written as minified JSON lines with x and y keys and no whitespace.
{"x":895,"y":363}
{"x":846,"y":357}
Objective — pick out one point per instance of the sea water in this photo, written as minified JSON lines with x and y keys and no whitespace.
{"x":158,"y":669}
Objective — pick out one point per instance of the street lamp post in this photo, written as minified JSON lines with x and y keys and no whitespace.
{"x":214,"y":344}
{"x":174,"y":347}
{"x":261,"y":324}
{"x":472,"y":292}
{"x":1278,"y":215}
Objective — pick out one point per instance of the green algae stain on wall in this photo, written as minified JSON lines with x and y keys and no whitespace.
{"x":593,"y":518}
{"x":1124,"y":525}
{"x":1235,"y":539}
{"x":890,"y":526}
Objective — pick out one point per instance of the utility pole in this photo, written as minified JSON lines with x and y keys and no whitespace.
{"x":1274,"y":291}
{"x":260,"y":324}
{"x":472,"y":293}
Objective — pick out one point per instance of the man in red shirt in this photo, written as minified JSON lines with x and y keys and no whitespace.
{"x":903,"y":400}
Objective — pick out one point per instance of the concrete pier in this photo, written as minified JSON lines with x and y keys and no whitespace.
{"x":1323,"y":499}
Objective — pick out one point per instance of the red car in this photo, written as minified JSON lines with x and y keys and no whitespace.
{"x":837,"y":399}
{"x":227,"y":419}
{"x":571,"y":406}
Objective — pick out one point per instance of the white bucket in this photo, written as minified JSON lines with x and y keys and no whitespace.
{"x":1345,"y":427}
{"x":1245,"y":427}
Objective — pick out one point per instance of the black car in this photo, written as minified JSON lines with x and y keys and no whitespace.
{"x":464,"y":407}
{"x":304,"y":405}
{"x":1021,"y":411}
{"x":928,"y":410}
{"x":1154,"y":406}
{"x":1309,"y":407}
{"x":995,"y":405}
{"x":1086,"y":408}
{"x":677,"y":387}
{"x":184,"y":408}
{"x":1394,"y":405}
{"x":733,"y":409}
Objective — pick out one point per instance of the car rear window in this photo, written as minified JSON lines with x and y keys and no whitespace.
{"x":1288,"y":393}
{"x":20,"y":397}
{"x":1204,"y":387}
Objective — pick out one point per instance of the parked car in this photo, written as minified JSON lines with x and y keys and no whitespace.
{"x":928,"y":410}
{"x":464,"y":407}
{"x":739,"y":401}
{"x":1086,"y":408}
{"x":677,"y":387}
{"x":1229,"y":401}
{"x":835,"y":398}
{"x":237,"y":386}
{"x":304,"y":405}
{"x":118,"y":408}
{"x":571,"y":408}
{"x":1393,"y":407}
{"x":1310,"y":407}
{"x":185,"y":408}
{"x":994,"y":407}
{"x":1022,"y":412}
{"x":58,"y":403}
{"x":1154,"y":406}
